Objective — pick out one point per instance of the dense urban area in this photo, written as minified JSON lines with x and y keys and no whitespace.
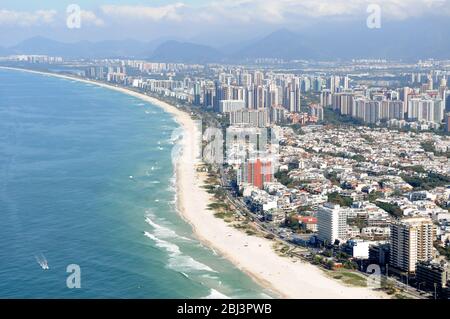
{"x":350,"y":166}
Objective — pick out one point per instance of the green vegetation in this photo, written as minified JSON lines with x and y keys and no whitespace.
{"x":317,"y":259}
{"x":330,"y":264}
{"x":433,"y":180}
{"x":250,"y":232}
{"x":416,"y":168}
{"x":392,"y":209}
{"x":351,"y":278}
{"x":297,"y":129}
{"x":335,"y":198}
{"x":443,"y":251}
{"x":428,"y":146}
{"x":303,"y":209}
{"x":283,"y":178}
{"x":359,"y":222}
{"x":332,"y":177}
{"x":332,"y":117}
{"x":388,"y":286}
{"x":373,"y":196}
{"x":359,"y":158}
{"x":368,"y":138}
{"x":217,"y":206}
{"x":281,"y":249}
{"x":292,"y":222}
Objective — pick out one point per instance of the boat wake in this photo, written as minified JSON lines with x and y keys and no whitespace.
{"x":42,"y":261}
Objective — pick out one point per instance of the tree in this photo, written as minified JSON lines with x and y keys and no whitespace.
{"x":335,"y":198}
{"x":330,"y":264}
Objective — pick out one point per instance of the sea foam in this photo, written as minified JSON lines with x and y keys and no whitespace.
{"x":178,"y":261}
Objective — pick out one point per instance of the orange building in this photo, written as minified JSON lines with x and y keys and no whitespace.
{"x":257,"y":172}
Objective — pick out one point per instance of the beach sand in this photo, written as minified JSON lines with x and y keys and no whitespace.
{"x":253,"y":255}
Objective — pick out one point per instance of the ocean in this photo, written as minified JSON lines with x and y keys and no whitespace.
{"x":87,"y":179}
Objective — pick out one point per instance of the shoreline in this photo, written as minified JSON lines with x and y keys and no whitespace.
{"x":252,"y":255}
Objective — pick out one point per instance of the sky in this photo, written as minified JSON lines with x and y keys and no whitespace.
{"x":202,"y":21}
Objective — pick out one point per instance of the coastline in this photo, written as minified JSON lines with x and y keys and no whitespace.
{"x":253,"y":255}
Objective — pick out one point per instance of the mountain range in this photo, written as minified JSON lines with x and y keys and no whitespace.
{"x":406,"y":41}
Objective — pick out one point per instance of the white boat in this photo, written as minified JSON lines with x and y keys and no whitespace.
{"x":42,"y":261}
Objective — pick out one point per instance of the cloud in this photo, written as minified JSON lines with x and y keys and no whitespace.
{"x":90,"y":18}
{"x":27,"y":19}
{"x":167,"y":12}
{"x":292,"y":11}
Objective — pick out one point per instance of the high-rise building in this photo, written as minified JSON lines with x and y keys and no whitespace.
{"x":227,"y":106}
{"x":447,"y":122}
{"x":426,"y":108}
{"x":430,"y":274}
{"x":257,"y":172}
{"x":325,"y":98}
{"x":253,"y":118}
{"x":343,"y":102}
{"x":447,"y":101}
{"x":411,"y":241}
{"x":332,"y":223}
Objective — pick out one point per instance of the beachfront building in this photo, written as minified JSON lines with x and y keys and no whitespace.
{"x":411,"y":241}
{"x":429,"y":274}
{"x":332,"y":223}
{"x":256,"y":172}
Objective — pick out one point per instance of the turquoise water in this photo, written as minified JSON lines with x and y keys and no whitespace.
{"x":86,"y":178}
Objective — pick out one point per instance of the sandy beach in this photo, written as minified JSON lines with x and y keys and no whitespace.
{"x":253,"y":255}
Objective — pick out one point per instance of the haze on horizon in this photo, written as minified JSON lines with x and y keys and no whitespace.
{"x":311,"y":29}
{"x":202,"y":21}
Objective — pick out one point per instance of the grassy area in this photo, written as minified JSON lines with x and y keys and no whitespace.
{"x":281,"y":249}
{"x":350,"y":278}
{"x":217,"y":206}
{"x":226,"y":216}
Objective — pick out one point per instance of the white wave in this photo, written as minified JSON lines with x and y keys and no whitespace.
{"x":169,"y":247}
{"x":178,"y":261}
{"x":214,"y":294}
{"x":163,"y":231}
{"x":183,"y":262}
{"x":265,"y":296}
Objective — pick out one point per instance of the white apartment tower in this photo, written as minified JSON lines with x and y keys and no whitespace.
{"x":332,"y":223}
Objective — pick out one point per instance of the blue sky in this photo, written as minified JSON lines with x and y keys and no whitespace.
{"x":205,"y":21}
{"x":89,"y":4}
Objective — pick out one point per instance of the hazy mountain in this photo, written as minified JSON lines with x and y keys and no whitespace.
{"x":409,"y":40}
{"x":175,"y":51}
{"x":86,"y":49}
{"x":282,"y":44}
